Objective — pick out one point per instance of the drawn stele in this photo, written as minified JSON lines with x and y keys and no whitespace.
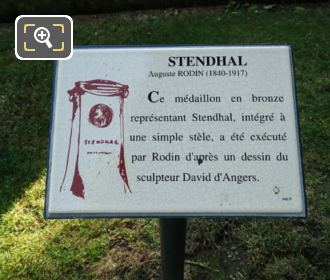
{"x":100,"y":116}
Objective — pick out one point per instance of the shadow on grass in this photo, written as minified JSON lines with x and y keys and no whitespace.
{"x":24,"y":119}
{"x":19,"y":169}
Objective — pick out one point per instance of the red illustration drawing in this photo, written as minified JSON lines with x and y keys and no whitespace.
{"x":104,"y":118}
{"x":100,"y":115}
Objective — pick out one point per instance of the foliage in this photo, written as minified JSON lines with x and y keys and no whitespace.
{"x":10,"y":9}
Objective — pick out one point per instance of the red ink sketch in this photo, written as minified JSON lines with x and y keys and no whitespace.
{"x":100,"y":115}
{"x":122,"y":168}
{"x":99,"y":153}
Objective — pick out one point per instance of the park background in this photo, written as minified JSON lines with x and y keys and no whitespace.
{"x":34,"y":248}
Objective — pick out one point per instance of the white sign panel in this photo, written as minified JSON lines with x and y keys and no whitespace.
{"x":175,"y":131}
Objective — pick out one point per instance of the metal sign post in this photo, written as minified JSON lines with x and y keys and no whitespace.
{"x":173,"y":241}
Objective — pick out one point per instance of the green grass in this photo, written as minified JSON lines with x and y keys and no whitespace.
{"x":34,"y":248}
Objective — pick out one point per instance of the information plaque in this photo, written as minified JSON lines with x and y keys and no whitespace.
{"x":175,"y":131}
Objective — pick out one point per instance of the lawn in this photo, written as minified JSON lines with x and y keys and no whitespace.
{"x":34,"y":248}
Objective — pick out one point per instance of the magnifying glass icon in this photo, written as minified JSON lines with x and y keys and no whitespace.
{"x":41,"y":35}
